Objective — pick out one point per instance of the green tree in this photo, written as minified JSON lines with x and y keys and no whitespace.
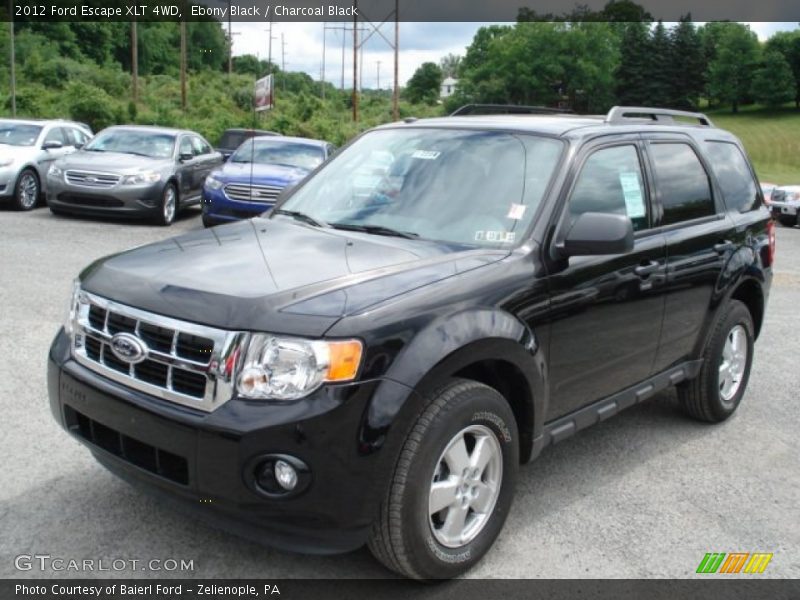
{"x":450,"y":65}
{"x":687,"y":65}
{"x":633,"y":73}
{"x":659,"y":85}
{"x":788,"y":44}
{"x":773,"y":83}
{"x":731,"y":71}
{"x":424,"y":84}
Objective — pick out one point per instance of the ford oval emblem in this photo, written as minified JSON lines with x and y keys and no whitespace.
{"x":128,"y":348}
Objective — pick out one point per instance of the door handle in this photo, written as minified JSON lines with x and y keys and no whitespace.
{"x":723,"y":247}
{"x":645,"y":269}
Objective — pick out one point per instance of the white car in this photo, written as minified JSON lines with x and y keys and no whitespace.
{"x":27,"y":149}
{"x":785,"y":204}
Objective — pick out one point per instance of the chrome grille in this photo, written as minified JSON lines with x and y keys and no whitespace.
{"x":252,"y":193}
{"x":185,"y":363}
{"x":92,"y":179}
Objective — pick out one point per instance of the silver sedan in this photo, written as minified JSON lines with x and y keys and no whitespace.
{"x":27,"y":149}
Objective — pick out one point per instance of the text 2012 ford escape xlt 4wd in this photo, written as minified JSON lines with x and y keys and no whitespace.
{"x":372,"y":361}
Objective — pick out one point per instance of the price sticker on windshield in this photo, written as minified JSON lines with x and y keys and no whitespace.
{"x":517,"y":211}
{"x":426,"y":154}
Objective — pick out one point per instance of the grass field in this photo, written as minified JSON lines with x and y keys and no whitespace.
{"x":771,"y":137}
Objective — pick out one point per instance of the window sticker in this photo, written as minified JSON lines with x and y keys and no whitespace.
{"x":517,"y":211}
{"x":426,"y":154}
{"x":503,"y":237}
{"x":632,"y":190}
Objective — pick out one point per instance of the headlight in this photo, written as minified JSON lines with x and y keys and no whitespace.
{"x":141,"y":178}
{"x":792,"y":196}
{"x":55,"y":171}
{"x":4,"y":162}
{"x":282,"y":368}
{"x":72,"y":311}
{"x":213,"y":183}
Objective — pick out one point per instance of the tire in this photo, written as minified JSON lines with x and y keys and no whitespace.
{"x":27,"y":190}
{"x":707,"y":397}
{"x":168,"y":207}
{"x":788,"y":221}
{"x":208,"y":222}
{"x":406,"y":537}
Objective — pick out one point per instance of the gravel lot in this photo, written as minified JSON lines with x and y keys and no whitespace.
{"x":645,"y":494}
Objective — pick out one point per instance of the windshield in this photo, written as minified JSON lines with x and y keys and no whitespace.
{"x":289,"y":154}
{"x":467,"y":187}
{"x":130,"y":141}
{"x":19,"y":134}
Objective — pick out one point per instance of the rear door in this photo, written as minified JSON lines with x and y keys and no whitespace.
{"x":606,"y":311}
{"x":700,"y":238}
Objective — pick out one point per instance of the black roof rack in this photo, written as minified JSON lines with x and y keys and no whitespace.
{"x":507,"y":109}
{"x":622,"y":114}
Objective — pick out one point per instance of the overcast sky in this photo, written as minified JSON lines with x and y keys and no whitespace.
{"x":419,"y":43}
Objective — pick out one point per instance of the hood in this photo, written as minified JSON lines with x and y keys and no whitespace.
{"x":112,"y":162}
{"x":275,"y":275}
{"x":279,"y":175}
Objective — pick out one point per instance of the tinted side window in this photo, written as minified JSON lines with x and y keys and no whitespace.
{"x":78,"y":137}
{"x":682,"y":183}
{"x":611,"y":182}
{"x":186,"y":146}
{"x":200,"y":147}
{"x":734,"y":176}
{"x":56,"y":134}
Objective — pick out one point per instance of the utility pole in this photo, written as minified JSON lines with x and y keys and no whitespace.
{"x":230,"y":40}
{"x":283,"y":60}
{"x":355,"y":61}
{"x":135,"y":60}
{"x":269,"y":44}
{"x":322,"y":74}
{"x":379,"y":75}
{"x":183,"y":64}
{"x":13,"y":60}
{"x":395,"y":92}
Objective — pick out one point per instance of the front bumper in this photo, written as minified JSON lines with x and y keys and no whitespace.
{"x":127,"y":200}
{"x":201,"y":461}
{"x":785,"y":209}
{"x":218,"y":207}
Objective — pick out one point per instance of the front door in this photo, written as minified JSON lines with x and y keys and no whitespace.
{"x":606,"y":311}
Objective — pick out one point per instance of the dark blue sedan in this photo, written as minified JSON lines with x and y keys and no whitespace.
{"x":260,"y":169}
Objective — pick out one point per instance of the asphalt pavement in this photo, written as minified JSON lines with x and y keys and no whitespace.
{"x":645,"y":494}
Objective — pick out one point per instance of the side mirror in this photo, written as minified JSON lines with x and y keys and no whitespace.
{"x":78,"y":146}
{"x":52,"y":145}
{"x":595,"y":234}
{"x":185,"y":156}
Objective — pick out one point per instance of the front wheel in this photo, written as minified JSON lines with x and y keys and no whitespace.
{"x":788,"y":221}
{"x":26,"y":192}
{"x":716,"y":392}
{"x":168,"y":207}
{"x":452,"y":486}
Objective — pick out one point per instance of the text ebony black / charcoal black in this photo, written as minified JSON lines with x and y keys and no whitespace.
{"x":373,"y":360}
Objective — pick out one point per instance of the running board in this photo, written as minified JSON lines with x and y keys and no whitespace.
{"x":568,"y":425}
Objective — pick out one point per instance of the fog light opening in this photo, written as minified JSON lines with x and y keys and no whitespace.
{"x":277,"y":475}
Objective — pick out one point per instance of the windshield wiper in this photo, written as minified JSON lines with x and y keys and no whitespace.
{"x":376,"y":230}
{"x":299,"y":216}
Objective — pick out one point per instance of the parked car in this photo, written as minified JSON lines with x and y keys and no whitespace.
{"x":785,"y":204}
{"x":133,"y":171}
{"x":233,"y":138}
{"x":27,"y":149}
{"x":373,"y":368}
{"x":766,"y":190}
{"x":256,"y":174}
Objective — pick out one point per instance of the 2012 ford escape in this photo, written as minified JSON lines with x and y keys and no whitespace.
{"x":373,"y":360}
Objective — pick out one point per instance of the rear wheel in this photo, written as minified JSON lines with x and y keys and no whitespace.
{"x":26,"y":192}
{"x":168,"y":208}
{"x":716,"y":392}
{"x":453,"y":484}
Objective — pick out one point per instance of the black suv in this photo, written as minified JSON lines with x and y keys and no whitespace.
{"x":373,"y":360}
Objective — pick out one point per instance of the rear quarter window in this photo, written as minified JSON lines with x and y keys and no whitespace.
{"x":739,"y":188}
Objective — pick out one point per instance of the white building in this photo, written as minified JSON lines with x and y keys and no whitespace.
{"x":448,"y":87}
